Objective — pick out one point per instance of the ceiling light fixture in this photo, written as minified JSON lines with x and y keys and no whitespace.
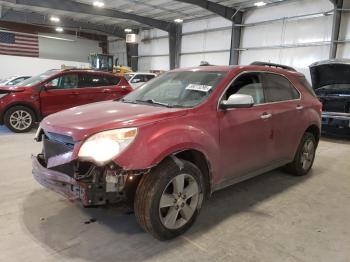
{"x":178,"y":20}
{"x":260,"y":4}
{"x":98,"y":4}
{"x":55,"y":19}
{"x":127,"y":30}
{"x":59,"y":29}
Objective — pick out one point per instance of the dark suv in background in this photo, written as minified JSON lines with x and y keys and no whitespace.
{"x":331,"y":82}
{"x":55,"y":90}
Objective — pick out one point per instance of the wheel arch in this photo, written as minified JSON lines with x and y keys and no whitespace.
{"x":25,"y":104}
{"x":315,"y":130}
{"x":200,"y":160}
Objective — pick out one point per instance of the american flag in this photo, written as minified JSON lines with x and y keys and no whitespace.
{"x":19,"y":44}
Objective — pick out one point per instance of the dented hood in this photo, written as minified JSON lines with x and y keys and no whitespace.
{"x":83,"y":121}
{"x":330,"y":72}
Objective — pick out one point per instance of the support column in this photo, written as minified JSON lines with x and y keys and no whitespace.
{"x":175,"y":36}
{"x":133,"y":53}
{"x":236,"y":38}
{"x":338,"y":4}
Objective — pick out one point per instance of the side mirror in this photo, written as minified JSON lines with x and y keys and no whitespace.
{"x":237,"y":101}
{"x":48,"y":85}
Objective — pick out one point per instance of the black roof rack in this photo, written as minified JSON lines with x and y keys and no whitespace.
{"x":257,"y":63}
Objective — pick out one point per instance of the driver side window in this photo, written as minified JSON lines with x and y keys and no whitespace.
{"x":248,"y":84}
{"x":67,"y":81}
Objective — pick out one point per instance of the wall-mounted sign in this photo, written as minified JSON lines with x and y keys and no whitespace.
{"x":132,"y":38}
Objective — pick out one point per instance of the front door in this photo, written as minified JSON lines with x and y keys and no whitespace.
{"x":60,"y":93}
{"x":246,"y":135}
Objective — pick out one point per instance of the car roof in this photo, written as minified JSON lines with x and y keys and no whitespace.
{"x":231,"y":68}
{"x":85,"y":71}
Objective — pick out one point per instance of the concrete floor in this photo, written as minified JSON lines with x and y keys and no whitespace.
{"x":274,"y":217}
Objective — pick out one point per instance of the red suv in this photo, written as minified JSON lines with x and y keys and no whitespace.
{"x":174,"y":141}
{"x":53,"y":91}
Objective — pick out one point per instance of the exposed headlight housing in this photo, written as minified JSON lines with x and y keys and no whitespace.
{"x":103,"y":147}
{"x":2,"y":95}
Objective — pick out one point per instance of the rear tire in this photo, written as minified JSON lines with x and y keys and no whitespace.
{"x":19,"y":119}
{"x":161,"y":205}
{"x":305,"y":156}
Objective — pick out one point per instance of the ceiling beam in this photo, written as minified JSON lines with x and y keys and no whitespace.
{"x":221,"y":10}
{"x":9,"y":15}
{"x":77,"y":7}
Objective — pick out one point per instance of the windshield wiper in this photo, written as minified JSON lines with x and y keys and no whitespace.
{"x":153,"y":102}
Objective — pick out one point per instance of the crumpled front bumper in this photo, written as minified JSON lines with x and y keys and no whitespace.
{"x":60,"y":183}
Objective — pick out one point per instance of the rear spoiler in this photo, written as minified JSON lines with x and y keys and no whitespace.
{"x":258,"y":63}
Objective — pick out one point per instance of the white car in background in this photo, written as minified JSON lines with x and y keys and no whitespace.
{"x":138,"y":79}
{"x":12,"y":81}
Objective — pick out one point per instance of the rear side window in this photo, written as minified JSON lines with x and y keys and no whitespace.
{"x":89,"y":80}
{"x":113,"y":80}
{"x":149,"y":77}
{"x":278,"y":88}
{"x":307,"y":86}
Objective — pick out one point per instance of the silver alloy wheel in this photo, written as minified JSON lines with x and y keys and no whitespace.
{"x":307,"y":154}
{"x":20,"y":120}
{"x":179,"y":201}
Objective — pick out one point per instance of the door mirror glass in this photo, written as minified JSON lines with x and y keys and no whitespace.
{"x":237,"y":101}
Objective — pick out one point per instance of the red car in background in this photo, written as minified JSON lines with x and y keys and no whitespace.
{"x":56,"y":90}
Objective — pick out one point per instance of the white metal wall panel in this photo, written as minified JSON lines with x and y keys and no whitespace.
{"x":293,"y":8}
{"x":76,"y":50}
{"x":154,"y":47}
{"x":345,"y":27}
{"x":344,"y":51}
{"x":262,"y":35}
{"x":221,"y":58}
{"x":204,"y":43}
{"x":210,"y":23}
{"x":307,"y":31}
{"x":153,"y":63}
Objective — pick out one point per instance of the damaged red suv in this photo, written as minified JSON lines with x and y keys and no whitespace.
{"x":170,"y":144}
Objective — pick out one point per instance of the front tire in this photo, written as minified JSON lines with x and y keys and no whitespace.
{"x":19,"y":119}
{"x":304,"y":157}
{"x":169,"y":198}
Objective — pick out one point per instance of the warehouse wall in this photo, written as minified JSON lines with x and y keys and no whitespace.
{"x":76,"y":50}
{"x":153,"y":50}
{"x":17,"y":65}
{"x":206,"y":40}
{"x":117,"y":48}
{"x":297,"y":42}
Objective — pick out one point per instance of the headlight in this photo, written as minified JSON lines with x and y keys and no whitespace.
{"x":103,"y":147}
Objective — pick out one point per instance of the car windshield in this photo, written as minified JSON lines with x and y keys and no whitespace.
{"x":6,"y":80}
{"x":177,"y":89}
{"x":39,"y":78}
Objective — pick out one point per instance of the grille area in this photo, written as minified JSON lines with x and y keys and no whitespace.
{"x":56,"y":145}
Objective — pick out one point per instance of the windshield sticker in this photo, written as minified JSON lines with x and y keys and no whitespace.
{"x":201,"y":88}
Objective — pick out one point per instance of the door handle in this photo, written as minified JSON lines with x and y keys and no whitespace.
{"x":265,"y":116}
{"x":299,"y":107}
{"x":106,"y":90}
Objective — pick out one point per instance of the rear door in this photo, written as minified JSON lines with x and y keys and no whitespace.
{"x":287,"y":115}
{"x":99,"y":87}
{"x":61,"y":93}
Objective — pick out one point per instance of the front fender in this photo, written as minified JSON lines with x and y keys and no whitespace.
{"x":157,"y":141}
